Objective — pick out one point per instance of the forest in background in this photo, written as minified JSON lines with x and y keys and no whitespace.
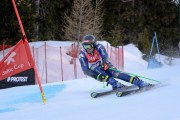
{"x":117,"y":21}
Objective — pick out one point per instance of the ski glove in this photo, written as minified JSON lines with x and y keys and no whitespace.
{"x":105,"y":66}
{"x":102,"y":77}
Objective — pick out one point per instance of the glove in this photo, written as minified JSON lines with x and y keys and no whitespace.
{"x":105,"y":66}
{"x":102,"y":77}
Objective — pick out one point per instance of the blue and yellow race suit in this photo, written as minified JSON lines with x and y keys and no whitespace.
{"x":91,"y":64}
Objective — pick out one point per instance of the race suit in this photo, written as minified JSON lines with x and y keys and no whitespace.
{"x":91,"y":64}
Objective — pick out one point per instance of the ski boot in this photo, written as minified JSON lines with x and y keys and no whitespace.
{"x":140,"y":83}
{"x":115,"y":84}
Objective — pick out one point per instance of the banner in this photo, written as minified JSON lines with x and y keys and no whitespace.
{"x":20,"y":59}
{"x":17,"y":67}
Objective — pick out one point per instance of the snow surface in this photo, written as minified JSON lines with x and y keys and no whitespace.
{"x":70,"y":100}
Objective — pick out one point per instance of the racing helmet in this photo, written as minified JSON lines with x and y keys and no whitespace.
{"x":88,"y":41}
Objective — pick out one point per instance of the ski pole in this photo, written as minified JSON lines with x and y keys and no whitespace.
{"x":136,"y":75}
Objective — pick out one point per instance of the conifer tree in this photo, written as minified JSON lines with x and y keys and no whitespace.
{"x":80,"y":20}
{"x":98,"y":19}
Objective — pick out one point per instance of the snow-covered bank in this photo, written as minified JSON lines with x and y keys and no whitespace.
{"x":70,"y":100}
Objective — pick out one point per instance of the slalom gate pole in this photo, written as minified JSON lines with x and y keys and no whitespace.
{"x":137,"y":75}
{"x":40,"y":87}
{"x":19,"y":19}
{"x":31,"y":58}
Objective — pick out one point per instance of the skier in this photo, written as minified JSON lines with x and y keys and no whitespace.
{"x":95,"y":63}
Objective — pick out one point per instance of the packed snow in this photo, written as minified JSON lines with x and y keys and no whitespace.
{"x":71,"y":100}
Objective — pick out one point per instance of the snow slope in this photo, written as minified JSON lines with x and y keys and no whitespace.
{"x":70,"y":100}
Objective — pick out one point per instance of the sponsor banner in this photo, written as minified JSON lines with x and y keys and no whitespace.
{"x":24,"y":78}
{"x":16,"y":61}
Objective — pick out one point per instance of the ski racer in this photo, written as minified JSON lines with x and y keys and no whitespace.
{"x":95,"y":63}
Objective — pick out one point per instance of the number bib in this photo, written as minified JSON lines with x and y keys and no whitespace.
{"x":94,"y":59}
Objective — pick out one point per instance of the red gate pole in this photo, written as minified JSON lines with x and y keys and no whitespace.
{"x":122,"y":57}
{"x":118,"y":57}
{"x":25,"y":38}
{"x":74,"y":60}
{"x":75,"y":65}
{"x":19,"y":19}
{"x":116,"y":52}
{"x":72,"y":52}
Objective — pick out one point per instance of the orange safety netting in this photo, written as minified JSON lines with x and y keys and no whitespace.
{"x":55,"y":64}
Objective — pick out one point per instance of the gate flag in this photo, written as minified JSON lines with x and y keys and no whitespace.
{"x":28,"y":53}
{"x":17,"y":67}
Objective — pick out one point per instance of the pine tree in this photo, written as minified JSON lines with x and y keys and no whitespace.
{"x":80,"y":20}
{"x":83,"y":19}
{"x":98,"y":18}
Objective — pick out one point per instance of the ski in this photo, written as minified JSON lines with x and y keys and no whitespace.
{"x":130,"y":92}
{"x":103,"y":93}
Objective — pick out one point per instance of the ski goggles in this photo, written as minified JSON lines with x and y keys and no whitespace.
{"x":90,"y":46}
